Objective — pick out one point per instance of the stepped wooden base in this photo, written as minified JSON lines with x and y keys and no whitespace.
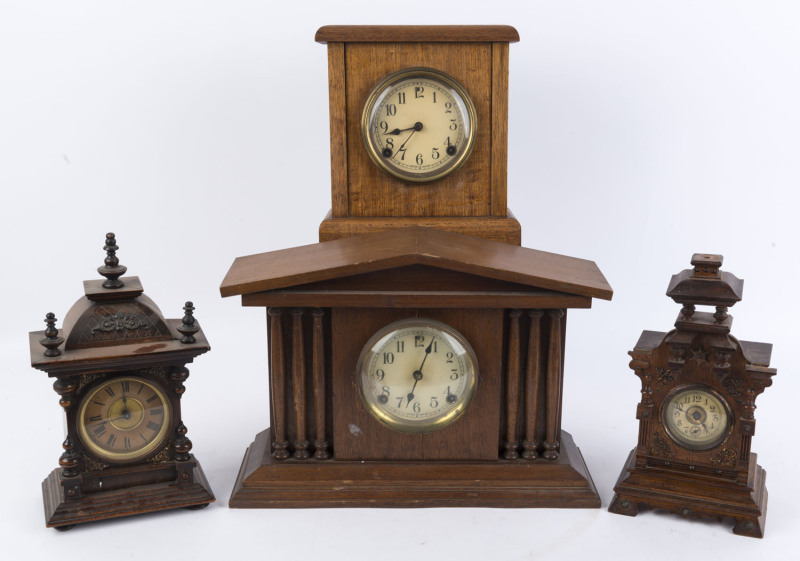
{"x":694,"y":496}
{"x":62,"y":514}
{"x":501,"y":229}
{"x":267,"y":483}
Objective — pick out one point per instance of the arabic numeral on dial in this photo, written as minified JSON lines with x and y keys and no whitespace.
{"x":419,"y":340}
{"x":418,"y":92}
{"x":388,"y":358}
{"x":417,"y":407}
{"x":391,"y":110}
{"x":450,"y":357}
{"x":453,"y":125}
{"x":435,"y":153}
{"x":434,"y":97}
{"x":401,"y":346}
{"x":434,"y":402}
{"x":419,"y":159}
{"x":379,"y":375}
{"x":384,"y":126}
{"x":447,"y":106}
{"x":454,"y":374}
{"x":383,"y":398}
{"x":401,"y":97}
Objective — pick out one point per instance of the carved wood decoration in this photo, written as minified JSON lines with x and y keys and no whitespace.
{"x":702,"y":467}
{"x":508,"y":447}
{"x":121,"y":358}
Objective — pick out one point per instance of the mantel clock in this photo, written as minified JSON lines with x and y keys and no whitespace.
{"x":120,"y":369}
{"x":696,"y":417}
{"x":416,"y":353}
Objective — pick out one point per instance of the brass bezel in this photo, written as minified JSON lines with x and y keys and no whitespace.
{"x":124,"y":457}
{"x":426,"y":425}
{"x":683,"y":443}
{"x":431,"y":74}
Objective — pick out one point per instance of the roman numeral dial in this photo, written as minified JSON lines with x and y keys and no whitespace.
{"x":124,"y":419}
{"x":419,"y":125}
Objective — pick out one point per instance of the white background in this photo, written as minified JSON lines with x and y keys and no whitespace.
{"x":640,"y":133}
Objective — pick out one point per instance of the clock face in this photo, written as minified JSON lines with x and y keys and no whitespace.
{"x":418,"y":125}
{"x":124,"y":419}
{"x":696,"y":417}
{"x":417,"y":375}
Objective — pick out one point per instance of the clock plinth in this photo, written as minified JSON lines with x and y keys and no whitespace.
{"x":264,"y":482}
{"x":697,"y":414}
{"x":62,"y":512}
{"x":697,"y":497}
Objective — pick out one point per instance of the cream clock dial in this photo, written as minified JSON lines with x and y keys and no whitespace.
{"x":696,"y":418}
{"x":418,"y":125}
{"x":124,"y":419}
{"x":417,"y":375}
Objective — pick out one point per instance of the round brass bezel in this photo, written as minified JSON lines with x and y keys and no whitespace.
{"x":136,"y":454}
{"x":459,"y":94}
{"x":688,"y":444}
{"x":455,"y":340}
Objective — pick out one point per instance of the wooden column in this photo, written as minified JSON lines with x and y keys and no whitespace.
{"x":318,"y":366}
{"x":277,"y":390}
{"x":299,"y":385}
{"x":553,"y":398}
{"x":512,"y":387}
{"x":533,"y":377}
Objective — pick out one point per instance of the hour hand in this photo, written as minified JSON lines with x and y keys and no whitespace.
{"x":417,"y":127}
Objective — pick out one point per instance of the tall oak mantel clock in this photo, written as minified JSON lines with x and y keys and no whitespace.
{"x":697,"y":413}
{"x":416,"y":353}
{"x":120,"y":373}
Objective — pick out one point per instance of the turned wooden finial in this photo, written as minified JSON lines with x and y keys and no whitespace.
{"x":188,"y":326}
{"x":112,"y":270}
{"x":51,"y":341}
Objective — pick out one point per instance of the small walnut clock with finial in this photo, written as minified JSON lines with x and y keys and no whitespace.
{"x":120,"y":369}
{"x":696,"y":416}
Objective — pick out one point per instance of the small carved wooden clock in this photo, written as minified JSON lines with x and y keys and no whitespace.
{"x":416,"y":353}
{"x":696,"y":417}
{"x":120,"y":369}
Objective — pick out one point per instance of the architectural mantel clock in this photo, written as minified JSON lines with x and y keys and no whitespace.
{"x":416,"y":354}
{"x":120,"y":369}
{"x":697,"y":414}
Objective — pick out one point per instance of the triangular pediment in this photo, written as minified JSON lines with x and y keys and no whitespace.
{"x":414,"y":246}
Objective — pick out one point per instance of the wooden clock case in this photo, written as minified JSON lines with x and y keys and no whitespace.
{"x":724,"y":481}
{"x":446,"y":251}
{"x":116,"y":330}
{"x":472,"y":200}
{"x":325,"y":300}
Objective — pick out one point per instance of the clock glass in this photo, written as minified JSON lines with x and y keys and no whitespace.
{"x":696,"y":417}
{"x":418,"y":125}
{"x":417,"y":375}
{"x":124,"y":419}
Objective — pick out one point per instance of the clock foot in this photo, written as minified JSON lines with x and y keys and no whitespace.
{"x":65,"y":528}
{"x":750,"y":527}
{"x":197,"y":507}
{"x":623,"y":505}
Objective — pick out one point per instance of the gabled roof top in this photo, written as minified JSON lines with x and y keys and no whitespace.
{"x":413,"y":246}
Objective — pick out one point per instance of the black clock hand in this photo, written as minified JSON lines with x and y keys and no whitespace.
{"x":418,"y":373}
{"x":417,"y":127}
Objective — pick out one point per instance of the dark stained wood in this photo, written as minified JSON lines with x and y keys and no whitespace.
{"x":277,"y":386}
{"x":414,"y":246}
{"x":553,"y":402}
{"x":512,"y":386}
{"x":359,"y":436}
{"x":416,"y":299}
{"x":499,"y":229}
{"x":318,"y":367}
{"x":299,"y":385}
{"x":722,"y":479}
{"x":415,"y":33}
{"x":533,"y":385}
{"x":564,"y":482}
